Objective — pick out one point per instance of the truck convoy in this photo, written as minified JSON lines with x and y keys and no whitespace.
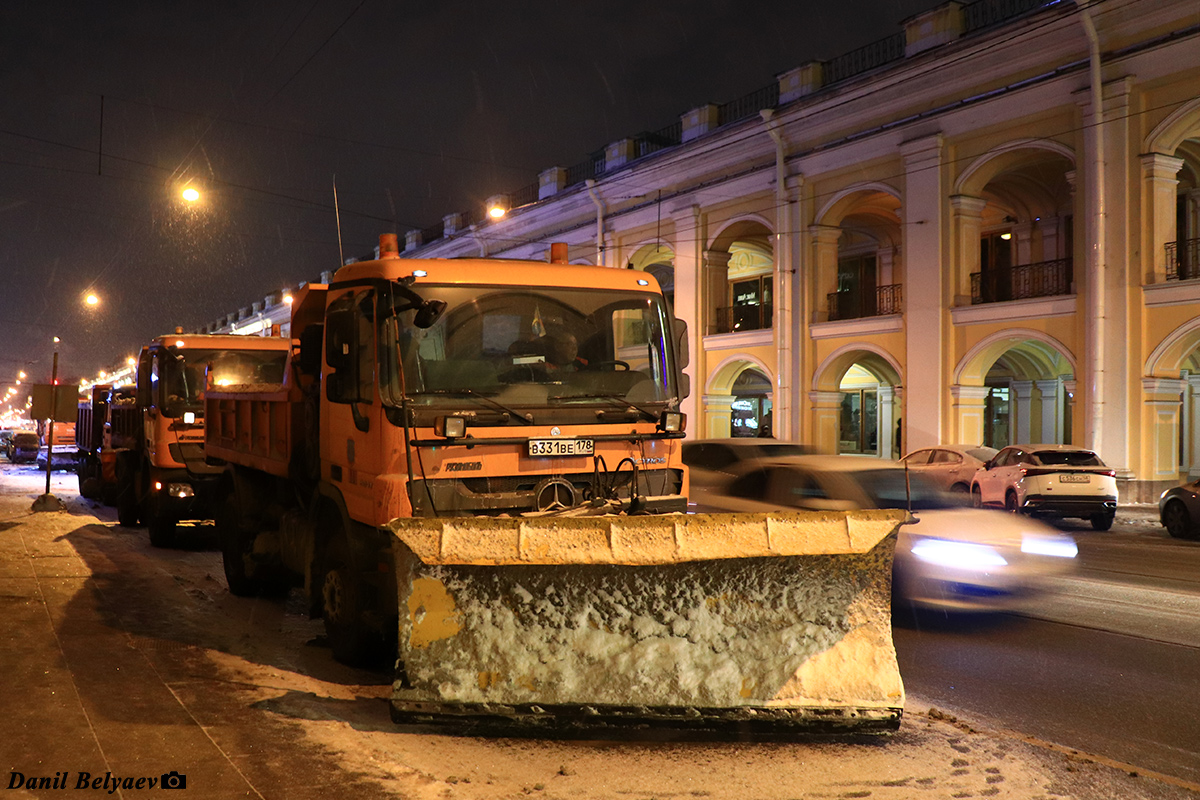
{"x":473,"y":467}
{"x":143,"y":448}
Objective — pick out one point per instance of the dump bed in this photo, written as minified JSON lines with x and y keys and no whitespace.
{"x":253,"y":425}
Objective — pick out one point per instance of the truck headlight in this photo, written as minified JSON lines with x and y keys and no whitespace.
{"x":672,"y":421}
{"x":450,"y":427}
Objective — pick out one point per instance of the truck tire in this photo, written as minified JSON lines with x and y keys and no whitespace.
{"x":236,"y":545}
{"x":344,"y":601}
{"x":126,"y":495}
{"x":159,"y":523}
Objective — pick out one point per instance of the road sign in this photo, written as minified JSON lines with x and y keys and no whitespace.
{"x":68,"y":402}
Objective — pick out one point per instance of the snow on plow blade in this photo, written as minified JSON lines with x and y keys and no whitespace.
{"x":776,"y":622}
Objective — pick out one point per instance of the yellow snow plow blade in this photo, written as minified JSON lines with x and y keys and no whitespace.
{"x":771,"y":621}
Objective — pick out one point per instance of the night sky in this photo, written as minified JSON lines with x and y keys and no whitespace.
{"x":417,"y":109}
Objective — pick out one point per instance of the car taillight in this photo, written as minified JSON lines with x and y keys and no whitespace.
{"x":1036,"y":471}
{"x":1112,"y":473}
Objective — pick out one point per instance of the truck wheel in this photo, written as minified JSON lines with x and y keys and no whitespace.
{"x":235,"y":549}
{"x":159,"y":523}
{"x":344,"y":598}
{"x":126,"y":495}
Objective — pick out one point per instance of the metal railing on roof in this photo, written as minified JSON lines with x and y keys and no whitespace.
{"x":983,"y":13}
{"x":865,"y":58}
{"x":593,"y":166}
{"x":652,"y":141}
{"x":748,"y":105}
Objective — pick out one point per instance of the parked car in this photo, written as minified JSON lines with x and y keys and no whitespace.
{"x":6,"y":436}
{"x":1051,"y":480}
{"x":952,"y":558}
{"x":950,"y":466}
{"x":711,"y":461}
{"x":24,"y":447}
{"x":1179,"y":510}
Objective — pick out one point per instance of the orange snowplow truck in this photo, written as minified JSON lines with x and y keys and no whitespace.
{"x":162,"y":476}
{"x":473,"y":468}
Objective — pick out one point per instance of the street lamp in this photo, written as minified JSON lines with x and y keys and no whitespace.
{"x":190,"y":194}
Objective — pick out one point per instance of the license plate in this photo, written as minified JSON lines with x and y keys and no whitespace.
{"x":561,"y":447}
{"x":1073,"y":479}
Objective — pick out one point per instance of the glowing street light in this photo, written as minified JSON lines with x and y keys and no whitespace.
{"x":191,"y":194}
{"x":498,"y":205}
{"x":92,"y":300}
{"x":21,"y":375}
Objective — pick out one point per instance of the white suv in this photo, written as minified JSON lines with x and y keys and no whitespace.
{"x":1053,"y":480}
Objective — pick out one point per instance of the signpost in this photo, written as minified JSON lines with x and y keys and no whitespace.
{"x":51,"y":404}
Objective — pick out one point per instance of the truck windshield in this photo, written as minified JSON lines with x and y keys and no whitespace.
{"x":184,"y":373}
{"x":536,"y":346}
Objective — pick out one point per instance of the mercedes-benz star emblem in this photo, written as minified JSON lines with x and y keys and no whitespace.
{"x":554,"y":494}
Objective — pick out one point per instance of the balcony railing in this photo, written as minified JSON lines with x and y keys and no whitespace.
{"x":1044,"y":279}
{"x":856,"y":305}
{"x":736,"y":319}
{"x":1183,"y":260}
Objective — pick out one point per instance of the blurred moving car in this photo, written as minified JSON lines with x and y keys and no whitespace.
{"x":1179,"y":510}
{"x":24,"y":447}
{"x":949,"y":466}
{"x":953,"y":558}
{"x":711,"y":461}
{"x":1053,"y":480}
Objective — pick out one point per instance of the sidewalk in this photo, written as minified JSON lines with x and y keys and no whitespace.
{"x":128,"y":663}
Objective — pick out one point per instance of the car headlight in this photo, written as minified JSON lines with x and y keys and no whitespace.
{"x":1048,"y":546}
{"x":961,"y":555}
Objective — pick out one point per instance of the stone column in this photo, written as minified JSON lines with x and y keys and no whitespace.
{"x":688,"y":245}
{"x":788,"y":316}
{"x":1068,"y":412}
{"x":924,"y":290}
{"x":1048,"y":231}
{"x":826,"y":410}
{"x":887,"y":421}
{"x":1160,"y":176}
{"x":1022,"y":243}
{"x":824,"y":267}
{"x":1051,"y":411}
{"x":1021,"y":408}
{"x":1162,"y":424}
{"x":716,"y":286}
{"x":718,"y":410}
{"x":1192,"y":441}
{"x":968,"y":404}
{"x":968,"y":222}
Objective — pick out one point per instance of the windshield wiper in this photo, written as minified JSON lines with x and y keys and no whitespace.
{"x":615,"y":399}
{"x":483,"y":398}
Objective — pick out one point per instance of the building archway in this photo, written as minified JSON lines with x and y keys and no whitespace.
{"x":1171,"y":403}
{"x":659,"y":260}
{"x":1014,"y":223}
{"x":1016,"y":386}
{"x":858,"y":242}
{"x":856,"y":403}
{"x":1171,"y":188}
{"x":740,"y":277}
{"x":739,"y":400}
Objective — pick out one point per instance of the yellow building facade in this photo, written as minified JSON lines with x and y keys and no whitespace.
{"x":983,"y":230}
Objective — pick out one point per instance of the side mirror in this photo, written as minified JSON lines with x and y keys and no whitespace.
{"x":145,"y":392}
{"x":679,"y":328}
{"x":429,"y":312}
{"x":339,"y":339}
